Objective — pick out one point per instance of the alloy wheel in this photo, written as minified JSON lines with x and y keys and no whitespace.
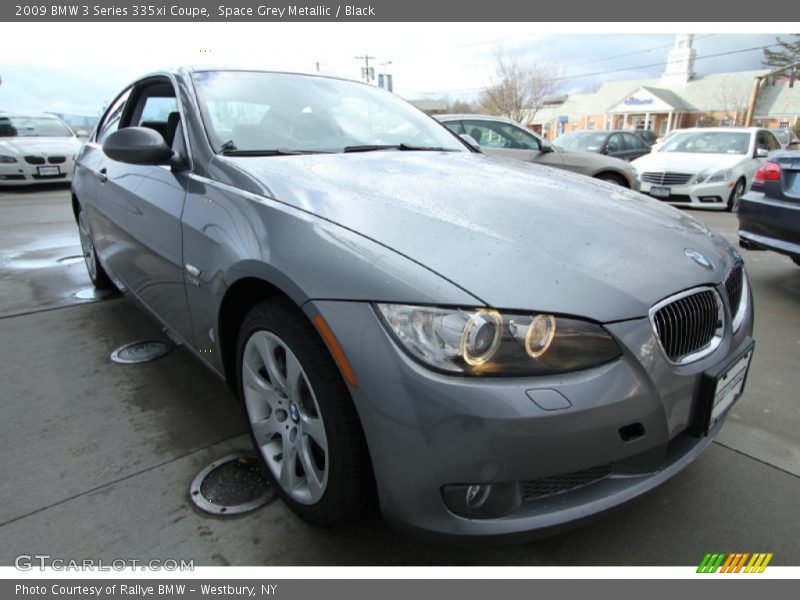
{"x":87,"y":246}
{"x":285,"y":417}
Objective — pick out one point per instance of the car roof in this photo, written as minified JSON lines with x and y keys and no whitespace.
{"x":477,"y":117}
{"x":187,"y":70}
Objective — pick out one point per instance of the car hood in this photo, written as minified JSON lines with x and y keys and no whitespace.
{"x":686,"y":162}
{"x":514,"y":235}
{"x":68,"y":146}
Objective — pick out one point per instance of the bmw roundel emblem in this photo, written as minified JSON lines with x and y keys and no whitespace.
{"x":699,"y":258}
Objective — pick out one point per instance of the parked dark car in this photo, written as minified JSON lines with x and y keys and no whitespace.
{"x":769,"y":215}
{"x":619,"y":144}
{"x":648,"y":135}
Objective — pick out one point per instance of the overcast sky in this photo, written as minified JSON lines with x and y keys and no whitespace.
{"x":77,"y":68}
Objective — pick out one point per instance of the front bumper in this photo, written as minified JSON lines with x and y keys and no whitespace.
{"x":426,"y":430}
{"x":703,"y":195}
{"x":770,"y":223}
{"x":22,"y":173}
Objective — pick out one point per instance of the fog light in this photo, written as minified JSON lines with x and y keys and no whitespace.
{"x":477,"y":494}
{"x":482,"y":500}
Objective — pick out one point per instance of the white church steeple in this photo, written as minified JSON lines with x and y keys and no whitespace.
{"x":680,"y":61}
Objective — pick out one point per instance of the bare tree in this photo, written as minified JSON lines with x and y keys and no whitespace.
{"x":519,"y":91}
{"x":733,"y":96}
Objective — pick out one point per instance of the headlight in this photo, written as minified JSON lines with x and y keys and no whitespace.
{"x":7,"y":159}
{"x":716,"y":177}
{"x":486,"y":342}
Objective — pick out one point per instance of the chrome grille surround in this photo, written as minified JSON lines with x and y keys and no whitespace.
{"x":666,"y":177}
{"x":738,"y":292}
{"x":689,"y":325}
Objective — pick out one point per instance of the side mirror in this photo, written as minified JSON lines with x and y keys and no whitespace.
{"x":137,"y":146}
{"x":471,"y":141}
{"x":762,"y":153}
{"x":547,"y":146}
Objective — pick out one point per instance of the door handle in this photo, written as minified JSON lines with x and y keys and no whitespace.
{"x":103,"y":175}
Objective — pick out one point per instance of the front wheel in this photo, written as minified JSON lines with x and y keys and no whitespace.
{"x":96,"y":272}
{"x":736,"y":195}
{"x":302,"y":420}
{"x":612,"y":178}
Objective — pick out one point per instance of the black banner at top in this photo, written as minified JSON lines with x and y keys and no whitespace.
{"x":388,"y":10}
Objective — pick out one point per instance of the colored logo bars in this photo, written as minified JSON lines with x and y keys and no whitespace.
{"x":735,"y":563}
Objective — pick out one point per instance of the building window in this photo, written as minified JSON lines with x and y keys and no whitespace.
{"x":784,"y":125}
{"x":590,"y":125}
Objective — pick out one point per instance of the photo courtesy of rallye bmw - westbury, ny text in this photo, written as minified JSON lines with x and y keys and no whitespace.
{"x":138,"y":590}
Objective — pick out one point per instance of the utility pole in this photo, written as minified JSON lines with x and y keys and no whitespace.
{"x":319,"y":64}
{"x":365,"y":72}
{"x":751,"y":106}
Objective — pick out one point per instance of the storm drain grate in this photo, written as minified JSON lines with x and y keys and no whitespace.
{"x":559,"y":484}
{"x":94,"y":294}
{"x":141,"y":352}
{"x":232,"y":485}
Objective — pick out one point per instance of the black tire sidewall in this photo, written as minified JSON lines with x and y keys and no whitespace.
{"x":346,"y":478}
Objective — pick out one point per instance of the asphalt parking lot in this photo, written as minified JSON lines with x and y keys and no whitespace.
{"x":96,"y":458}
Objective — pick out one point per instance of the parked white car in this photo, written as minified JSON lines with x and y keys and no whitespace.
{"x":709,"y":168}
{"x":36,"y":149}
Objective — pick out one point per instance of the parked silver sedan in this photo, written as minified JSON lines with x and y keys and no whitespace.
{"x":503,"y":137}
{"x":478,"y":347}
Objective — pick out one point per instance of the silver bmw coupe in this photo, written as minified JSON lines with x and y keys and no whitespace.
{"x":478,"y":346}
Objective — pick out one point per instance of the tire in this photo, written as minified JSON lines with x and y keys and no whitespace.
{"x":313,"y":420}
{"x":736,"y":194}
{"x":612,"y":178}
{"x":97,"y":274}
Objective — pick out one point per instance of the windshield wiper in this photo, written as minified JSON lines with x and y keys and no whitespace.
{"x":403,"y":146}
{"x":270,"y":152}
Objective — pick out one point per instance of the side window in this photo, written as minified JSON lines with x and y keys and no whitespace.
{"x":154,"y":106}
{"x":484,"y":135}
{"x":772,"y":141}
{"x":456,"y":127}
{"x":615,"y":143}
{"x":112,"y":117}
{"x":523,"y":139}
{"x":633,"y":142}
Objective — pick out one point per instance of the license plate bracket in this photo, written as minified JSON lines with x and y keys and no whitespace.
{"x":720,"y":388}
{"x":49,"y":171}
{"x":659,"y":191}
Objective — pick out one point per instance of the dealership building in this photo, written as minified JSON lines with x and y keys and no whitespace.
{"x":676,"y":100}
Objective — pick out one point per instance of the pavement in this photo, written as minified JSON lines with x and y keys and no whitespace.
{"x":97,"y":457}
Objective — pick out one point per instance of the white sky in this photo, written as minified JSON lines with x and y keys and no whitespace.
{"x":77,"y":67}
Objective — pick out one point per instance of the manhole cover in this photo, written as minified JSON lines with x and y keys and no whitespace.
{"x":140,"y":352}
{"x":69,"y":260}
{"x":231,"y":485}
{"x":93,"y":294}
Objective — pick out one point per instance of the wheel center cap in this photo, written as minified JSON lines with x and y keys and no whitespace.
{"x":294,"y":412}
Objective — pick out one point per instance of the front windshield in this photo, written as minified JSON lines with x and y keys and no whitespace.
{"x":709,"y":142}
{"x":32,"y":127}
{"x":248,"y":111}
{"x":589,"y":142}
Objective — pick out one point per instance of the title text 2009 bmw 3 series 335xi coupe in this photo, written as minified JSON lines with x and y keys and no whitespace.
{"x":481,"y":347}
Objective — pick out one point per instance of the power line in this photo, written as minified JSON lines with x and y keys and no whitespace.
{"x":645,"y":51}
{"x":619,"y":70}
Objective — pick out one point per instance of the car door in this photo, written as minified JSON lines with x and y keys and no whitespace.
{"x":634,"y":146}
{"x":140,"y":208}
{"x":615,"y":146}
{"x":509,"y":141}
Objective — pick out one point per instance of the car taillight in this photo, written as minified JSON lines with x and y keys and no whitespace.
{"x":769,"y":171}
